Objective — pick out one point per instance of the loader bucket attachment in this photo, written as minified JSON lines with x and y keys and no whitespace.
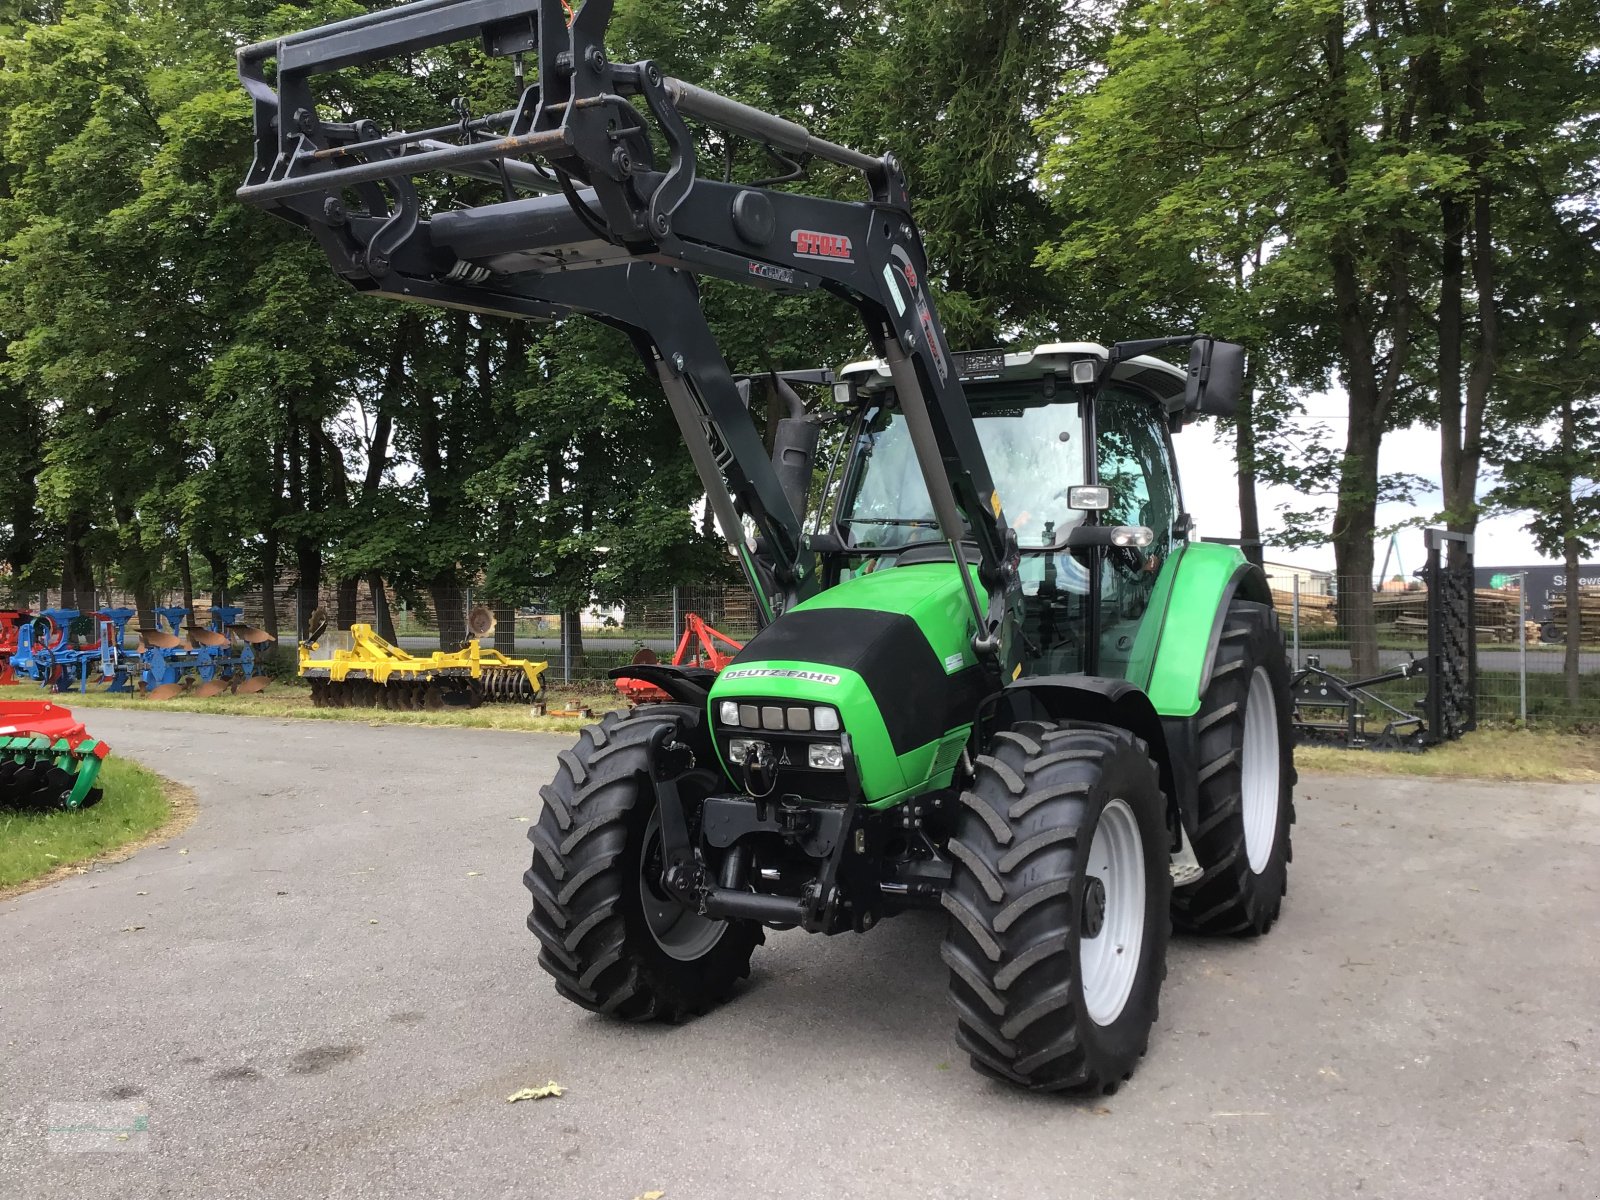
{"x":47,"y":759}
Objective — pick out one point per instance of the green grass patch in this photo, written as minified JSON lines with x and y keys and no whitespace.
{"x":1509,"y":755}
{"x":288,"y":698}
{"x":1499,"y":701}
{"x":136,"y":803}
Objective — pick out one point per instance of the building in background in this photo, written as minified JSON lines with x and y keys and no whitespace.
{"x":1281,"y":577}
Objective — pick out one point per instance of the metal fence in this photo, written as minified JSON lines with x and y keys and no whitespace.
{"x":1524,"y":670}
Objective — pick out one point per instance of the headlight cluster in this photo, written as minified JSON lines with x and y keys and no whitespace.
{"x":793,"y":718}
{"x":820,"y":756}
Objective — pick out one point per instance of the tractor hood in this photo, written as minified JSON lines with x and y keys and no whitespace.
{"x":889,"y":652}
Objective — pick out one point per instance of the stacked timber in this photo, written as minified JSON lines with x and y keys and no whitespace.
{"x":1316,"y":612}
{"x":1405,"y":614}
{"x":1588,"y":610}
{"x":1496,"y":611}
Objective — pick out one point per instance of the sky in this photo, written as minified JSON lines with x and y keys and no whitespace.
{"x":1210,"y":490}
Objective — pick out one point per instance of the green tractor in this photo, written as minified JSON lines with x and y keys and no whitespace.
{"x":996,"y":674}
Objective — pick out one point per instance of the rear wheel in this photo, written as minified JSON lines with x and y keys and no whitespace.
{"x":1246,"y":782}
{"x":1058,"y":907}
{"x":612,"y":937}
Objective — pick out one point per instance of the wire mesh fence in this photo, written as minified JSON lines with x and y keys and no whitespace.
{"x":1523,"y":665}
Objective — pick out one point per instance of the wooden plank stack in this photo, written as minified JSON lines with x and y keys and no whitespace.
{"x":1588,"y":610}
{"x":1405,"y":614}
{"x":1316,"y":612}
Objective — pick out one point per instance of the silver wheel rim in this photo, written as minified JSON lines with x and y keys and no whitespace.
{"x":1258,"y":772}
{"x":1110,"y":959}
{"x":683,"y":935}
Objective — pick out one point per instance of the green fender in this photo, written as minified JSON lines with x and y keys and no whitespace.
{"x":1177,"y":640}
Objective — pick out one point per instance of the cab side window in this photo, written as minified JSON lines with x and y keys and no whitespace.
{"x":1135,"y":464}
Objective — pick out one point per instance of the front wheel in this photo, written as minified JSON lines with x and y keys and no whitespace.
{"x":612,"y":937}
{"x":1058,"y":928}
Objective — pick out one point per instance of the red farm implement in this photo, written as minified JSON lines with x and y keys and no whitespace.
{"x":697,"y":648}
{"x":11,"y":620}
{"x":47,"y":758}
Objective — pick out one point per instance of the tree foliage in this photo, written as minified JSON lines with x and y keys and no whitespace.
{"x":1367,"y":194}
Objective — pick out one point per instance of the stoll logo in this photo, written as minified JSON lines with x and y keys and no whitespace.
{"x":810,"y":244}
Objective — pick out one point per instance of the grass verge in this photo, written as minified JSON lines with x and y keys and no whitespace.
{"x":1509,"y":755}
{"x":139,"y":807}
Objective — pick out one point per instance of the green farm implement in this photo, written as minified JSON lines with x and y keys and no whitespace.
{"x":47,"y":758}
{"x":996,"y":673}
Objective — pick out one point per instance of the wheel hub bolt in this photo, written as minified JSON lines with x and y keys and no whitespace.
{"x":1094,"y":907}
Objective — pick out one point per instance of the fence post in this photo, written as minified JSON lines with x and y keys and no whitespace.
{"x":1295,"y":662}
{"x":677,"y":618}
{"x":1522,"y":645}
{"x":566,"y":649}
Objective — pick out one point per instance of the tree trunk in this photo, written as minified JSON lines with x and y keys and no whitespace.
{"x":572,"y":632}
{"x":308,"y":581}
{"x":1361,"y":318}
{"x":77,"y":575}
{"x":1572,"y":549}
{"x":450,"y":612}
{"x":217,"y":563}
{"x":1463,"y":504}
{"x":1453,"y":218}
{"x":144,"y":603}
{"x":269,"y":543}
{"x":269,"y":583}
{"x":1356,"y":515}
{"x":382,"y":618}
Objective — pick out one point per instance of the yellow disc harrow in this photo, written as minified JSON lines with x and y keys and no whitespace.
{"x":356,"y":668}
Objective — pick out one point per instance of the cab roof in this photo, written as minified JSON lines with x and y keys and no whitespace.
{"x":1052,"y":360}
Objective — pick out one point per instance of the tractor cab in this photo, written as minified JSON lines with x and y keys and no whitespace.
{"x":1044,"y":442}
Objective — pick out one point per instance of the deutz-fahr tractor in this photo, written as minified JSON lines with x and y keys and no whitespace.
{"x":996,"y":673}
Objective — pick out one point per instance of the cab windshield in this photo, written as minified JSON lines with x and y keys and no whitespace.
{"x":1034,"y":450}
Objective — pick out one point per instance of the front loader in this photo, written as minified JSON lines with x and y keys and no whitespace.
{"x":995,"y":674}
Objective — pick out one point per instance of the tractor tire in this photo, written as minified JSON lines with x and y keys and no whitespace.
{"x":1060,"y":842}
{"x":614,"y":941}
{"x":1247,"y":782}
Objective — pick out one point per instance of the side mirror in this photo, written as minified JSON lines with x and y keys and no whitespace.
{"x":1216,"y":378}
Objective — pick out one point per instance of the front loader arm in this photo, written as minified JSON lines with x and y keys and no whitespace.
{"x":609,"y":233}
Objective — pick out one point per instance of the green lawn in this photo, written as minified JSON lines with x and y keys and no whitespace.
{"x":289,"y":698}
{"x":1499,"y":703}
{"x":136,"y":804}
{"x":1510,"y":755}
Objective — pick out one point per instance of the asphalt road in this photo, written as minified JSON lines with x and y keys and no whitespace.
{"x":324,"y":989}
